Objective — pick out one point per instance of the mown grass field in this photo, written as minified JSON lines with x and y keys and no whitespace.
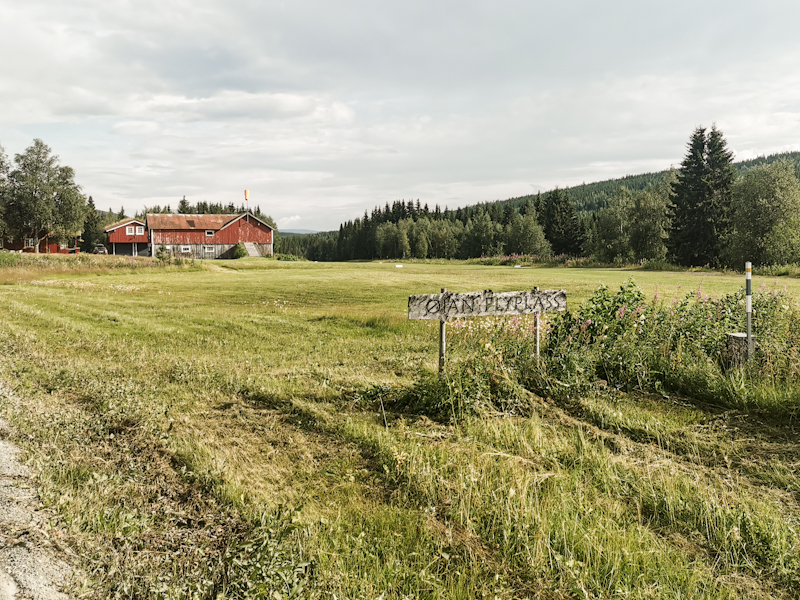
{"x":215,"y":431}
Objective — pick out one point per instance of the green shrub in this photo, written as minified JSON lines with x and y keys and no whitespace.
{"x":289,"y":257}
{"x":163,"y":255}
{"x":239,"y":251}
{"x":8,"y":259}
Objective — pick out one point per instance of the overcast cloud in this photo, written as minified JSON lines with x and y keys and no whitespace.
{"x":324,"y":109}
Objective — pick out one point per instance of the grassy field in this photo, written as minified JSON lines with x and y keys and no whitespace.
{"x":215,"y":430}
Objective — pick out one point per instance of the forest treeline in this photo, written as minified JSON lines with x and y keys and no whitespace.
{"x":709,"y":211}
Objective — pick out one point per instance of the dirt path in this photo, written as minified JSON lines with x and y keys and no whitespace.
{"x":30,"y":566}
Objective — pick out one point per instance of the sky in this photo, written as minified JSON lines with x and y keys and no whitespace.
{"x":326,"y":109}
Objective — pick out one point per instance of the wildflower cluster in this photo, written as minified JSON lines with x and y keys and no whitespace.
{"x":628,"y":342}
{"x":621,"y":339}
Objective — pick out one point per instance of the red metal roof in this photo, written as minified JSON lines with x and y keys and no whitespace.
{"x":122,"y":223}
{"x":194,"y":222}
{"x":190,"y":222}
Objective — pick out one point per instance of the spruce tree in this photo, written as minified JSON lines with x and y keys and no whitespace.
{"x":93,"y":233}
{"x":721,"y":176}
{"x":561,"y":225}
{"x":689,"y":195}
{"x":701,"y":199}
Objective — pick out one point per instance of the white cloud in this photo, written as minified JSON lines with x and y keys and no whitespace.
{"x":286,"y":221}
{"x":326,"y":110}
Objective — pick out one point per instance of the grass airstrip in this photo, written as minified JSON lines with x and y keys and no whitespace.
{"x":216,"y":430}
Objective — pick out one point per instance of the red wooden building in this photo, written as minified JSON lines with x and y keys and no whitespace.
{"x":209,"y":236}
{"x":46,"y":246}
{"x":128,"y":237}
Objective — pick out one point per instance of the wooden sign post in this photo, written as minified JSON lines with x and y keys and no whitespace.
{"x":447,"y":305}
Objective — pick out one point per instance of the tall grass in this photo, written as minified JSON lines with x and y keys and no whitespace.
{"x":275,"y":430}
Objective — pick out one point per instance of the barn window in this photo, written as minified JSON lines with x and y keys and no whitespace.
{"x":208,"y":249}
{"x":129,"y":230}
{"x":186,"y":249}
{"x":139,"y":230}
{"x":30,"y":242}
{"x":209,"y":233}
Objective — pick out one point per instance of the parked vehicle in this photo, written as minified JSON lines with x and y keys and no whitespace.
{"x":99,"y":249}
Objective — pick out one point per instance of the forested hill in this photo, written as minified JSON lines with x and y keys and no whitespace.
{"x":591,"y":197}
{"x":564,"y":221}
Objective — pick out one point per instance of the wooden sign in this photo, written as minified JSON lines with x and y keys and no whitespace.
{"x":447,"y":305}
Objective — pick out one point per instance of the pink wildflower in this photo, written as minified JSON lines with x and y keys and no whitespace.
{"x":622,"y":311}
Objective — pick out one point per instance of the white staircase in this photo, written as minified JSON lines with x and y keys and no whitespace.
{"x":252,"y":249}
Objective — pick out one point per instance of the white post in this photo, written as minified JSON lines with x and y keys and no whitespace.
{"x":748,"y":270}
{"x":538,"y":323}
{"x":442,"y":340}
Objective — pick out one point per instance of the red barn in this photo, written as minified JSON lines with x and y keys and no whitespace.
{"x":128,"y":237}
{"x":209,"y":236}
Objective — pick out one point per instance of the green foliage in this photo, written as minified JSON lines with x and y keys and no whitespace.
{"x":524,"y":235}
{"x":163,"y":255}
{"x":239,"y":251}
{"x":42,"y":198}
{"x":288,"y":257}
{"x":655,"y":347}
{"x":610,"y":235}
{"x":8,"y":259}
{"x":93,"y":232}
{"x":701,"y":197}
{"x":561,"y":225}
{"x":765,"y":217}
{"x":267,"y":564}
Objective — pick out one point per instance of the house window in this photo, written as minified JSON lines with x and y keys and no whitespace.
{"x":30,"y":242}
{"x":139,"y":230}
{"x":208,"y":249}
{"x":186,"y":249}
{"x":209,"y":233}
{"x":129,"y":230}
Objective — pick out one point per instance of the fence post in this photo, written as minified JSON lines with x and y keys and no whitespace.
{"x":442,"y":339}
{"x":748,"y":270}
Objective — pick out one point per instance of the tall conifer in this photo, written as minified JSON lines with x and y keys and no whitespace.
{"x":701,"y":199}
{"x":561,"y":225}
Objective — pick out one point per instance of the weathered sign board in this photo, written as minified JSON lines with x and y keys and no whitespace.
{"x":447,"y":305}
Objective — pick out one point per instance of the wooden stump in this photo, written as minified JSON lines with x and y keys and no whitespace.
{"x":735,"y":353}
